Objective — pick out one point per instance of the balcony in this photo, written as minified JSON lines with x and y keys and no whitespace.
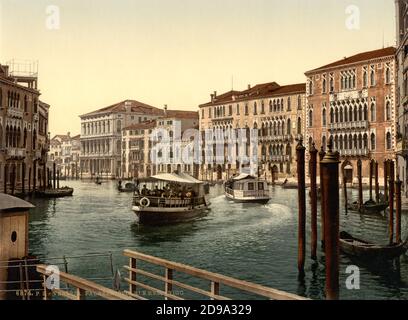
{"x":344,"y":126}
{"x":17,"y":153}
{"x":15,"y":113}
{"x":354,"y":152}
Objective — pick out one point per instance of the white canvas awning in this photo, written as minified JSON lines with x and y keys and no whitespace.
{"x":177,"y":178}
{"x":243,"y":176}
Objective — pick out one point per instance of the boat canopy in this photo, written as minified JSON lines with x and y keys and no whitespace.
{"x":178,"y":178}
{"x":243,"y":176}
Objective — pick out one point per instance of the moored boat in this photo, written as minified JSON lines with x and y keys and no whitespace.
{"x":176,"y":198}
{"x":369,"y":207}
{"x":247,"y":188}
{"x":129,"y":187}
{"x":364,"y":249}
{"x":55,"y":193}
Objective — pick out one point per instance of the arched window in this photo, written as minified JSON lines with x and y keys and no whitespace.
{"x":289,"y":127}
{"x":310,"y":87}
{"x":119,"y":126}
{"x":388,"y":111}
{"x":324,"y":117}
{"x":299,"y":102}
{"x":289,"y":104}
{"x":373,"y":112}
{"x":331,"y":115}
{"x":324,"y":84}
{"x":310,"y":119}
{"x":299,"y":126}
{"x":373,"y":141}
{"x":372,"y":77}
{"x":324,"y":143}
{"x":389,"y":141}
{"x":365,"y":114}
{"x":365,"y":78}
{"x":388,"y":76}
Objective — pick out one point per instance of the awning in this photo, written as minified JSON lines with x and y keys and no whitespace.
{"x":178,"y":178}
{"x":243,"y":176}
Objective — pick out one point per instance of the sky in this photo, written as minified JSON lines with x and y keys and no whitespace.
{"x":94,"y":53}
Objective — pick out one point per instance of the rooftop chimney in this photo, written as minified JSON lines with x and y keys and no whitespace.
{"x":215,"y":94}
{"x":165,"y":109}
{"x":212,"y":97}
{"x":128,"y":106}
{"x":249,"y":86}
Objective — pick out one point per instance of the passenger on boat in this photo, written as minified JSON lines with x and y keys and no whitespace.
{"x":145,"y":191}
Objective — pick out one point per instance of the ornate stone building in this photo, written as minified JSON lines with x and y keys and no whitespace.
{"x":101,"y":136}
{"x":402,"y":92}
{"x":65,"y":152}
{"x":277,"y":112}
{"x":137,"y":145}
{"x":353,"y":101}
{"x":24,"y":140}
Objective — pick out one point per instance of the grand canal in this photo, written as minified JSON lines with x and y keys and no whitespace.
{"x":248,"y":242}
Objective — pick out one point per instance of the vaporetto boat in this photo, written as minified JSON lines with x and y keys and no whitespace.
{"x":176,"y":197}
{"x":247,"y":188}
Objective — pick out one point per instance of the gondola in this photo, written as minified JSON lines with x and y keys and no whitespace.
{"x":55,"y":193}
{"x":129,"y":187}
{"x":369,"y":207}
{"x":363,"y":249}
{"x":289,"y":185}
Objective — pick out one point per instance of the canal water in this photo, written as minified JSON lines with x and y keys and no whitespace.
{"x":249,"y":242}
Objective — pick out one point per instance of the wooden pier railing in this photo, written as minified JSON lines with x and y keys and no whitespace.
{"x":215,"y":281}
{"x":81,"y":288}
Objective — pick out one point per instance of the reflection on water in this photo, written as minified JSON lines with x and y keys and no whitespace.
{"x":247,"y":241}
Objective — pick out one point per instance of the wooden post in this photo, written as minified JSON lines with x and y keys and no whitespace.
{"x":5,"y":178}
{"x":23,"y":173}
{"x":360,"y":184}
{"x":58,"y":179}
{"x":386,"y":164}
{"x":168,"y":287}
{"x":330,"y":168}
{"x":215,"y":289}
{"x":313,"y":194}
{"x":391,"y":204}
{"x":345,"y":192}
{"x":377,"y":186}
{"x":371,"y":179}
{"x":13,"y":179}
{"x":300,"y":151}
{"x":132,"y":275}
{"x":54,"y":173}
{"x":35,"y":176}
{"x":29,"y":180}
{"x":45,"y":176}
{"x":322,"y":154}
{"x":398,"y":209}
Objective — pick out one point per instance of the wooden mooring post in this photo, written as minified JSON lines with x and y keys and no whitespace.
{"x":360,"y":183}
{"x":300,"y":152}
{"x":58,"y":179}
{"x":54,"y":175}
{"x":398,"y":208}
{"x":386,"y":169}
{"x":29,"y":180}
{"x":5,"y":178}
{"x":330,"y":170}
{"x":13,"y":179}
{"x":313,"y":196}
{"x":23,"y":173}
{"x":391,"y":203}
{"x":322,"y":154}
{"x":371,"y":179}
{"x":377,"y":185}
{"x":35,"y":176}
{"x":345,"y":193}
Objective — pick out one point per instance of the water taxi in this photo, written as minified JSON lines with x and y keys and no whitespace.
{"x":173,"y":198}
{"x":247,"y":188}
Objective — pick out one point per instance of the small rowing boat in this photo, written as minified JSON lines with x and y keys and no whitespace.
{"x":364,"y":249}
